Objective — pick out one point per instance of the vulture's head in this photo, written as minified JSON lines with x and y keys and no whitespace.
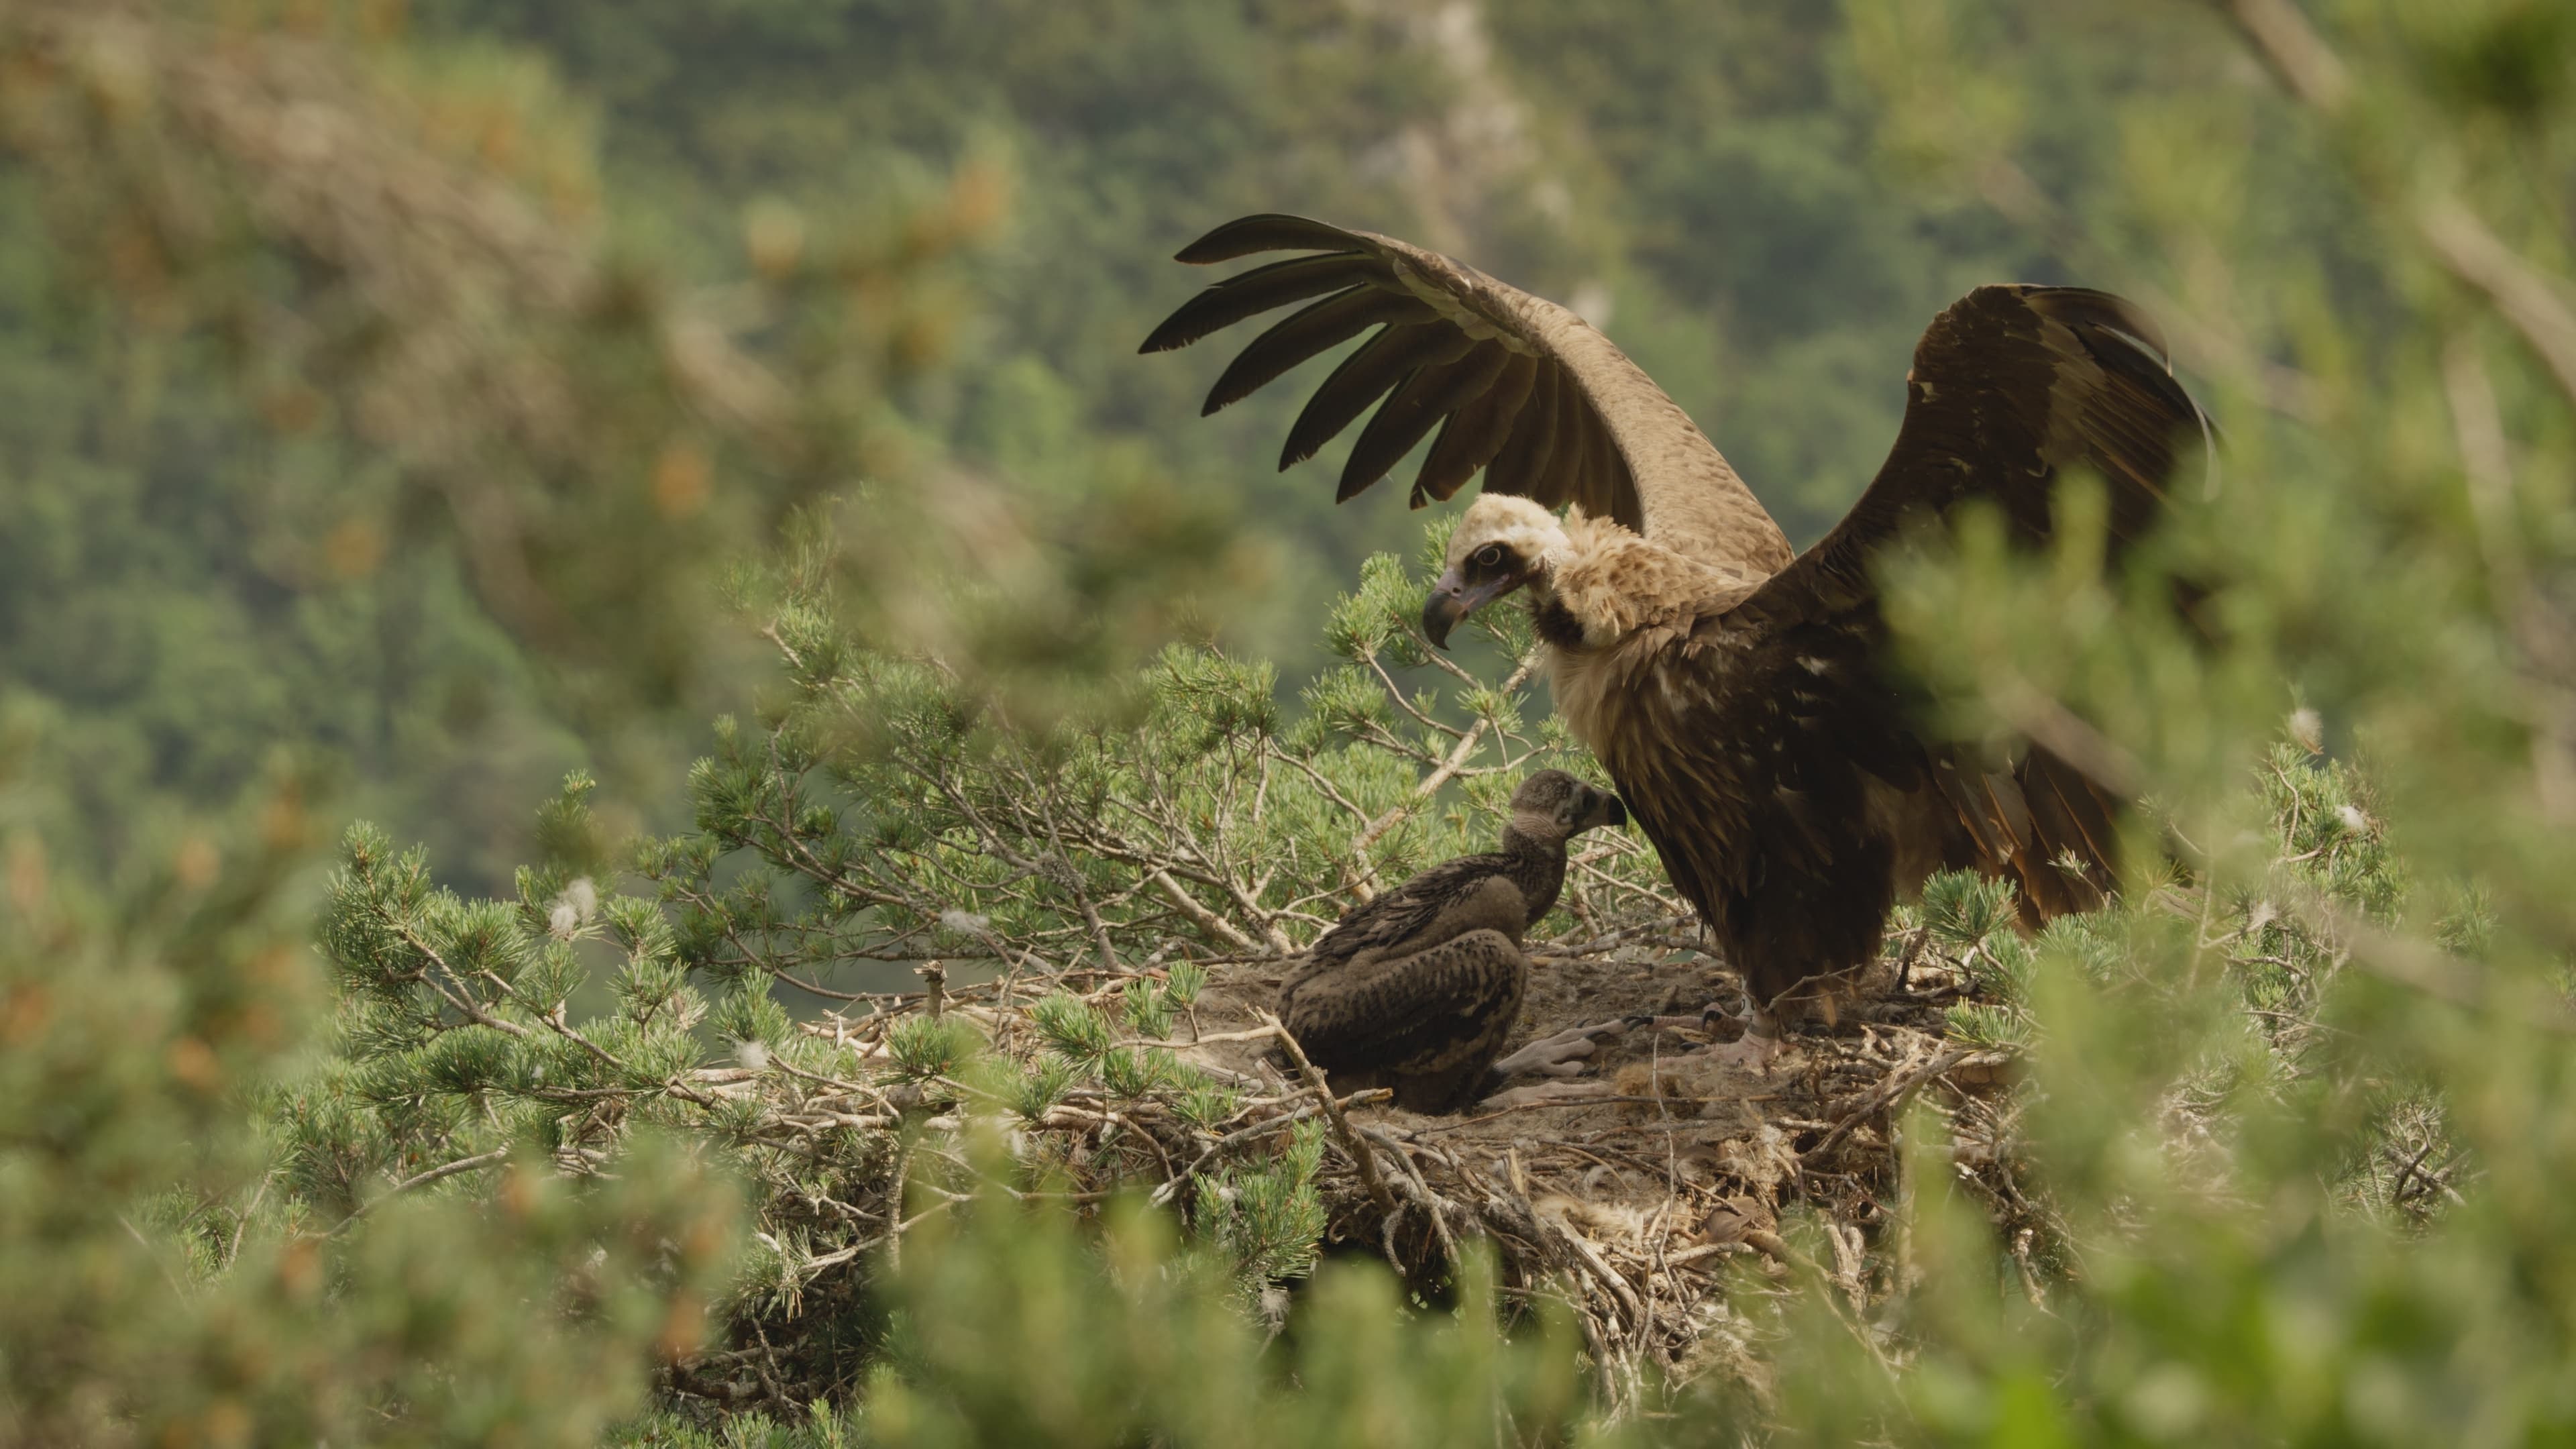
{"x":1503,"y":543}
{"x":1553,"y":805}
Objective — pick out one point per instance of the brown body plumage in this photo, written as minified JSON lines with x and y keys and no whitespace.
{"x":1736,"y":693}
{"x":1415,"y":989}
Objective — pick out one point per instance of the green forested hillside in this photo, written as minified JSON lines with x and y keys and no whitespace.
{"x":1705,"y":180}
{"x":410,"y":400}
{"x":179,"y":601}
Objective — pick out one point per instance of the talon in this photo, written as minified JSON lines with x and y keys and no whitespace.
{"x":1563,"y":1053}
{"x":1752,"y":1052}
{"x":1552,"y":1094}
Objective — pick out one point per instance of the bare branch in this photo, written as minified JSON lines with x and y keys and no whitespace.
{"x":1448,"y":768}
{"x":1360,"y":1154}
{"x":1200,"y":916}
{"x":2458,"y":237}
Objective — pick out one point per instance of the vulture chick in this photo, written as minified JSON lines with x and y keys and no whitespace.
{"x":1416,"y":989}
{"x":1737,"y":693}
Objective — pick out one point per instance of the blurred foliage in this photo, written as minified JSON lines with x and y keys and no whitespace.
{"x":362,"y":369}
{"x":1014,"y":1326}
{"x":1061,"y":881}
{"x":986,"y":1306}
{"x":410,"y":372}
{"x":165,"y":1287}
{"x":2299,"y":1113}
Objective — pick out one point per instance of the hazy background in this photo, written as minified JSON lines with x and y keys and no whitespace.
{"x":182,"y":592}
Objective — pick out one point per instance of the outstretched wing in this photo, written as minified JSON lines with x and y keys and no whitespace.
{"x":1514,"y":384}
{"x":2011,"y":386}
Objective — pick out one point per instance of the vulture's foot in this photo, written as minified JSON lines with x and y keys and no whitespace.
{"x":1563,"y":1054}
{"x":1546,"y":1094}
{"x":1752,"y":1052}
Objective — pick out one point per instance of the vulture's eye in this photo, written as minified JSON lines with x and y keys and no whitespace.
{"x":1490,"y":556}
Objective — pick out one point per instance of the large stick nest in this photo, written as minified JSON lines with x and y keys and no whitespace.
{"x":1631,"y":1208}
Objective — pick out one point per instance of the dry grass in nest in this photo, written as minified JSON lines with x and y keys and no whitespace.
{"x":1636,"y":1208}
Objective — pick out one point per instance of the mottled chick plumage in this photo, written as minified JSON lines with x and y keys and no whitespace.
{"x":1416,"y":989}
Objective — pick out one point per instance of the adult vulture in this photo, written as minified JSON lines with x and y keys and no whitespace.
{"x":1736,"y":692}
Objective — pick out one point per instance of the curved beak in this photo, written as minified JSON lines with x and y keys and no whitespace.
{"x":1607,"y":809}
{"x":1453,"y":599}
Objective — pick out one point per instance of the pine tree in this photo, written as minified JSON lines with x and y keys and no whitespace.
{"x":868,"y":1110}
{"x":1065,"y":891}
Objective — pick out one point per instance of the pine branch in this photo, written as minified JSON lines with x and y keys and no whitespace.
{"x":1448,"y":767}
{"x":1360,"y":1155}
{"x":2457,"y":236}
{"x":439,"y":1173}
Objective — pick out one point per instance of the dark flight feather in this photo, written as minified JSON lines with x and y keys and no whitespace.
{"x":1239,"y":298}
{"x":1410,"y":412}
{"x":1637,"y":458}
{"x":1373,"y":367}
{"x":1983,"y":418}
{"x":1532,"y":440}
{"x":1475,"y":432}
{"x":1267,"y":232}
{"x":1325,"y":324}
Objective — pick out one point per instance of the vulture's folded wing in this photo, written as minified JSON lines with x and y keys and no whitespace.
{"x":2011,"y":387}
{"x":1514,"y":384}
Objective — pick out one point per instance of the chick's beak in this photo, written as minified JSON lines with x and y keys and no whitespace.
{"x":1453,"y":599}
{"x":1607,"y":809}
{"x":1617,"y":814}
